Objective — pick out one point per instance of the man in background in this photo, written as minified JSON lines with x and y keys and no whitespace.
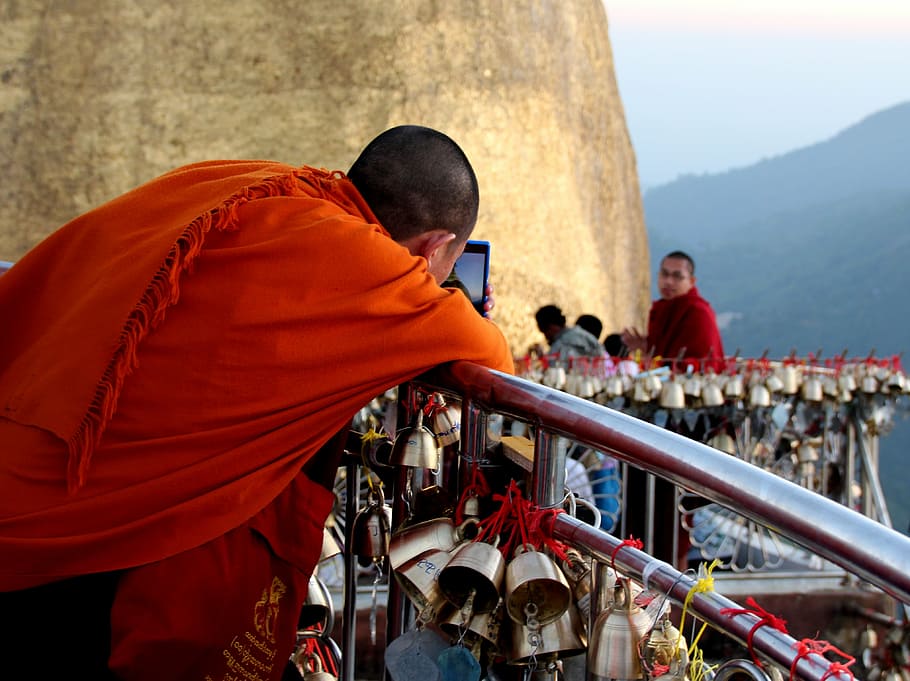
{"x":590,"y":323}
{"x":681,"y":322}
{"x":565,"y":341}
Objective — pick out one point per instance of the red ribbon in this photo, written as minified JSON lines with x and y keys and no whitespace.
{"x":540,"y":530}
{"x":631,"y":541}
{"x":765,"y":618}
{"x":807,"y":646}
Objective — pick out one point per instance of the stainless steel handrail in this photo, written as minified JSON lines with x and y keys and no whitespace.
{"x":875,"y":553}
{"x":862,"y":546}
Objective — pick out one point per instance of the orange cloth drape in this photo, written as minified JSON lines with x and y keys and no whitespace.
{"x":170,"y":360}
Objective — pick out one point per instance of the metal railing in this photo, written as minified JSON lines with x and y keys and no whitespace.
{"x":867,"y":549}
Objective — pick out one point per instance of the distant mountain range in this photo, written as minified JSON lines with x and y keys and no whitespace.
{"x":807,"y":251}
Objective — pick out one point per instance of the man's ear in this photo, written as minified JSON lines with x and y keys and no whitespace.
{"x":429,"y":243}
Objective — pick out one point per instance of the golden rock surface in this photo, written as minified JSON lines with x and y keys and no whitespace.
{"x":97,"y":96}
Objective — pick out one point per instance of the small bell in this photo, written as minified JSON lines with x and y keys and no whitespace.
{"x":371,"y":530}
{"x":446,"y":421}
{"x":665,"y":649}
{"x":311,"y":669}
{"x":416,"y":447}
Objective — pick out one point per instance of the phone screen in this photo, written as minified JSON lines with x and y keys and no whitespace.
{"x":471,"y":271}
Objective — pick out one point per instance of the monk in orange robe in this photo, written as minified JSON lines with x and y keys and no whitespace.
{"x":172,"y":364}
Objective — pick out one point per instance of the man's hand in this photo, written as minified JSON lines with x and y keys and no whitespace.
{"x":633,"y":339}
{"x":489,"y":301}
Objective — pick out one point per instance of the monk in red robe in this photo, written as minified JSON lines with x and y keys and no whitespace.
{"x":172,"y":367}
{"x":681,"y":323}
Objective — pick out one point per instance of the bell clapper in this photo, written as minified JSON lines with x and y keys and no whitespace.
{"x":374,"y":600}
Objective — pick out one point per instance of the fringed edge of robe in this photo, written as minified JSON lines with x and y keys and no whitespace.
{"x":164,"y":291}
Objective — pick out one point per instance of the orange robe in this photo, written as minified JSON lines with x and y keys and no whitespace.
{"x":171,"y":359}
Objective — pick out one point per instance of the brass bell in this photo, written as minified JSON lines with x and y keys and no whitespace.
{"x":692,"y":387}
{"x":613,"y":643}
{"x":812,"y":389}
{"x":665,"y":646}
{"x":578,"y":572}
{"x":672,"y":395}
{"x":614,"y":386}
{"x":554,"y":377}
{"x":533,"y":577}
{"x":869,"y":384}
{"x":847,"y":381}
{"x":759,"y":395}
{"x":604,"y":587}
{"x":371,"y":530}
{"x":474,"y":574}
{"x":774,"y":384}
{"x":642,"y":391}
{"x":415,"y":447}
{"x":316,"y":673}
{"x":317,"y":608}
{"x":330,"y":547}
{"x":484,"y":626}
{"x":559,"y":639}
{"x":419,"y":580}
{"x":733,"y":387}
{"x":711,"y":393}
{"x":471,"y":506}
{"x":790,"y":379}
{"x":410,"y":542}
{"x":724,"y":442}
{"x":446,"y":422}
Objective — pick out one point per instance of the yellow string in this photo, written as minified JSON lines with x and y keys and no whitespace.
{"x":697,"y":664}
{"x":703,"y":584}
{"x":367,"y":439}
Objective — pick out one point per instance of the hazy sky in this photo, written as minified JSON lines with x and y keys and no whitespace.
{"x":712,"y":84}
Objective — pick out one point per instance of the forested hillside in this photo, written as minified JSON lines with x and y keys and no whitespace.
{"x":807,"y":251}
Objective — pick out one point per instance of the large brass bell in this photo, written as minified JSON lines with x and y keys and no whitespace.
{"x":371,"y":530}
{"x":614,"y":638}
{"x":415,"y":447}
{"x":665,"y":647}
{"x":533,"y":577}
{"x":410,"y":542}
{"x":556,"y":640}
{"x":419,"y":580}
{"x":473,"y":576}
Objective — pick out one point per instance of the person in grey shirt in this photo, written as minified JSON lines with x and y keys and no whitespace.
{"x":566,"y":341}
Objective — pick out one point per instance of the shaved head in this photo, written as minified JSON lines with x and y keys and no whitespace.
{"x":416,"y":179}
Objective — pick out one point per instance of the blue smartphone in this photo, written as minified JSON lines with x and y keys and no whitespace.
{"x":472,"y":272}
